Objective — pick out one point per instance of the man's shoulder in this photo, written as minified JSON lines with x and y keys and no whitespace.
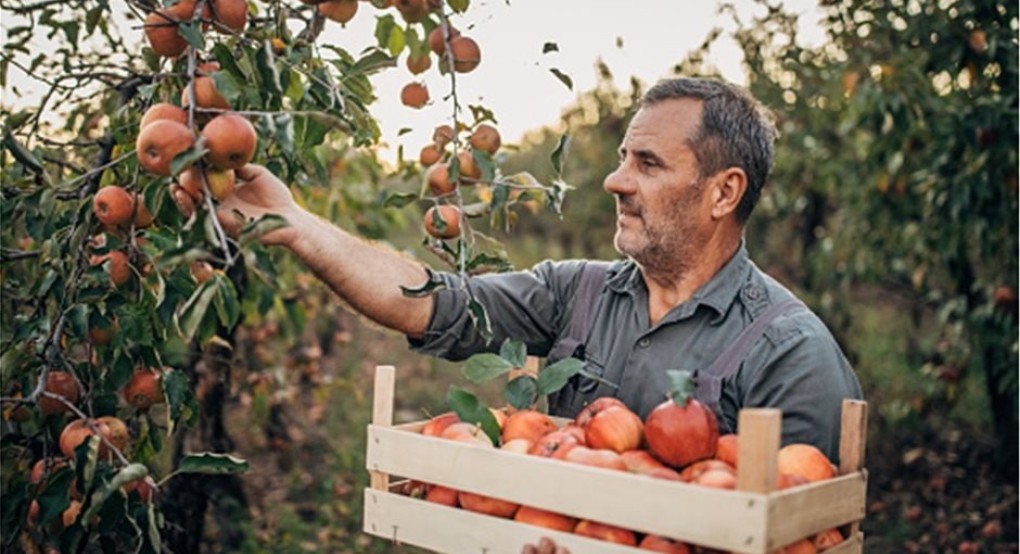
{"x":797,"y":322}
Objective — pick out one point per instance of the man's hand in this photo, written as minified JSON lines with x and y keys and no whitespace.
{"x":258,"y":193}
{"x":545,"y":546}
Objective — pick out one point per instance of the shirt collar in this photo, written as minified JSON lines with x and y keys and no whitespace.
{"x":718,"y":293}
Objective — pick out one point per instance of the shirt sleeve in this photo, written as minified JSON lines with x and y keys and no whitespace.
{"x":524,"y":305}
{"x":800,"y":369}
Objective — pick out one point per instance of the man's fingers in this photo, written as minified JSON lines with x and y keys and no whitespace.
{"x":183,"y":200}
{"x":529,"y":549}
{"x":546,"y":546}
{"x":249,"y":172}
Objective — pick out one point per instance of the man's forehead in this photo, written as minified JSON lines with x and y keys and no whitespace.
{"x":674,"y":121}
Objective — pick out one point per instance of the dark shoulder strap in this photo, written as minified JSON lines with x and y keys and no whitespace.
{"x":593,"y":276}
{"x":727,"y":363}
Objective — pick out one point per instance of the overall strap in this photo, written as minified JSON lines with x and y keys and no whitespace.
{"x":593,"y":276}
{"x":727,"y":363}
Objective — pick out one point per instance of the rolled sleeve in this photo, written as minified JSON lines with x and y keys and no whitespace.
{"x":523,"y":305}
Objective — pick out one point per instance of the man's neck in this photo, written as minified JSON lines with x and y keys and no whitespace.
{"x":670,"y":288}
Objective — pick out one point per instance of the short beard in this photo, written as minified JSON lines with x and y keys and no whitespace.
{"x":672,"y":248}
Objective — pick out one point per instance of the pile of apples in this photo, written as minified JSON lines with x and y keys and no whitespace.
{"x":677,"y":442}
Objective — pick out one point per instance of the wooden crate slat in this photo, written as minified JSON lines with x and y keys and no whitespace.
{"x":444,"y":529}
{"x":699,"y":514}
{"x":818,"y":506}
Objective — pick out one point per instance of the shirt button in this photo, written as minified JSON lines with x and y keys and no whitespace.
{"x":752,"y":292}
{"x":643,"y":343}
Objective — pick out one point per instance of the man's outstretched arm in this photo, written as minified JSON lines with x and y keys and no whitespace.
{"x":367,"y":276}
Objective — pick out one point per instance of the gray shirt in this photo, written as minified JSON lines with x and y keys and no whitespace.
{"x":795,"y":365}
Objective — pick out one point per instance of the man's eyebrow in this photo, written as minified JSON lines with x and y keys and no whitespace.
{"x":648,"y":155}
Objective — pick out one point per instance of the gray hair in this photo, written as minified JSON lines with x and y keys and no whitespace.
{"x":735,"y":131}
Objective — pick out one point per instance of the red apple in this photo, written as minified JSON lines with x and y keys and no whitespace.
{"x":442,"y":495}
{"x":466,"y":432}
{"x":527,"y":424}
{"x":487,"y":504}
{"x":602,"y":531}
{"x":549,"y":444}
{"x":692,"y":472}
{"x":521,"y":446}
{"x":655,"y":543}
{"x":615,"y":428}
{"x":717,"y":478}
{"x":596,"y":406}
{"x":643,"y":463}
{"x":595,"y":458}
{"x":435,"y":426}
{"x":679,"y":434}
{"x":545,"y":518}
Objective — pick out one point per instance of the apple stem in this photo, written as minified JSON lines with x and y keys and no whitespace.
{"x":683,"y":383}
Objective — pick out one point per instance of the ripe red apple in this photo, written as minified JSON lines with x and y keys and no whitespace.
{"x":615,"y":428}
{"x":545,"y":518}
{"x":602,"y":531}
{"x":655,"y":543}
{"x":643,"y":463}
{"x":596,"y":406}
{"x":442,"y":495}
{"x":595,"y":458}
{"x":466,"y":432}
{"x":487,"y":505}
{"x":692,"y":472}
{"x":527,"y":424}
{"x":717,"y":478}
{"x":549,"y":444}
{"x":682,"y":433}
{"x":726,"y":449}
{"x":520,"y":446}
{"x":434,"y":427}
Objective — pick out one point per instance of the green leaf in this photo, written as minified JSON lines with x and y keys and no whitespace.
{"x":228,"y":308}
{"x":514,"y":351}
{"x":267,"y":69}
{"x":383,"y":28}
{"x":470,"y":409}
{"x":54,"y":499}
{"x":285,"y":132}
{"x":553,"y":377}
{"x":550,"y":47}
{"x":563,"y":77}
{"x":559,"y":152}
{"x":433,"y":284}
{"x":682,"y":384}
{"x":480,"y":318}
{"x":184,"y":160}
{"x":522,"y":392}
{"x":399,"y":199}
{"x":192,"y":32}
{"x":227,"y":86}
{"x":131,"y":472}
{"x":395,"y":42}
{"x":485,"y":367}
{"x":21,"y":153}
{"x":211,"y":463}
{"x":459,"y":6}
{"x":195,"y":308}
{"x":180,"y":399}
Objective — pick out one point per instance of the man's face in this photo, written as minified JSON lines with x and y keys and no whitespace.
{"x":661,"y":209}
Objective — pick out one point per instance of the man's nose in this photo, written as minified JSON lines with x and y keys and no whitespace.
{"x":618,"y":182}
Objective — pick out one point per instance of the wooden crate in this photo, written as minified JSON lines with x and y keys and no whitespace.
{"x":755,"y":518}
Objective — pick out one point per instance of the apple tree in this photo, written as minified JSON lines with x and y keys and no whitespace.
{"x":121,"y":291}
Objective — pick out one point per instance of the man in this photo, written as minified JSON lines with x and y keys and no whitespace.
{"x":692,"y":167}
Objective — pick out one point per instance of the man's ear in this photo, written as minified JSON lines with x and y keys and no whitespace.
{"x":728,"y":188}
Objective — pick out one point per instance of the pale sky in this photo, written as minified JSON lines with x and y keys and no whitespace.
{"x":513,"y":79}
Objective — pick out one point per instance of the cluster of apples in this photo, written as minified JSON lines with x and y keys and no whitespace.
{"x":464,"y":54}
{"x":440,"y":182}
{"x":675,"y":442}
{"x":162,"y":25}
{"x":143,"y":390}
